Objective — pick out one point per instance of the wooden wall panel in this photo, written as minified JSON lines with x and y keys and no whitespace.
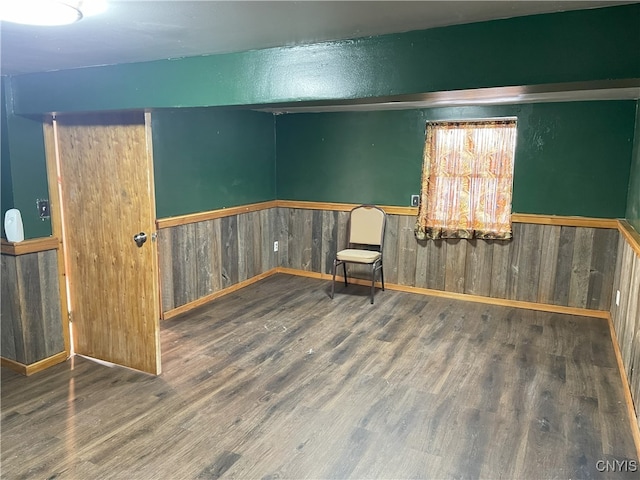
{"x":30,"y":294}
{"x":31,"y":315}
{"x":201,"y":258}
{"x":391,"y":256}
{"x":437,"y":263}
{"x":500,"y":267}
{"x":602,"y":259}
{"x":12,"y":344}
{"x":455,"y":265}
{"x":627,"y":323}
{"x":268,"y":227}
{"x":230,"y":258}
{"x":558,"y":265}
{"x":184,"y":265}
{"x":615,"y":316}
{"x":204,"y":256}
{"x":305,"y":234}
{"x":563,"y":265}
{"x":165,"y":266}
{"x":422,"y":266}
{"x":626,"y":315}
{"x":549,"y":263}
{"x":295,"y":239}
{"x":50,"y":305}
{"x":580,"y":267}
{"x":329,"y":244}
{"x":407,"y":251}
{"x":633,"y":315}
{"x":245,"y":244}
{"x":282,"y":233}
{"x":528,"y":266}
{"x":478,"y":267}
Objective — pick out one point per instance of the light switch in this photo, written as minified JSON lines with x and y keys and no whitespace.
{"x":43,"y":208}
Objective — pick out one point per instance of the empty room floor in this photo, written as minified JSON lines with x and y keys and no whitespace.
{"x":278,"y":381}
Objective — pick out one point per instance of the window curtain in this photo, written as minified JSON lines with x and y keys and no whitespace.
{"x":467,"y":179}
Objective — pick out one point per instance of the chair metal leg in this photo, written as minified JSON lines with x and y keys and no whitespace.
{"x":382,"y":276}
{"x":344,"y":266}
{"x":373,"y":280}
{"x":333,"y":284}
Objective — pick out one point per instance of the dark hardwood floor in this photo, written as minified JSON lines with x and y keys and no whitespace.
{"x":278,"y":381}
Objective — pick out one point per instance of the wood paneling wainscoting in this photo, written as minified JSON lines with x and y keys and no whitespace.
{"x":201,"y":260}
{"x":626,"y":315}
{"x":563,"y":265}
{"x":563,"y":262}
{"x":33,"y":336}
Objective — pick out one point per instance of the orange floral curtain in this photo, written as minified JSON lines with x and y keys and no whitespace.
{"x":467,"y":178}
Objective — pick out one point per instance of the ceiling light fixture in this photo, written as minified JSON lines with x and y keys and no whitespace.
{"x":49,"y":12}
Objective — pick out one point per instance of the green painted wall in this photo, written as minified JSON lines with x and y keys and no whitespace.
{"x":571,"y":158}
{"x":351,"y":157}
{"x":633,"y":200}
{"x":25,"y":167}
{"x":28,"y":172}
{"x":585,"y":45}
{"x":206,"y":158}
{"x":6,"y":185}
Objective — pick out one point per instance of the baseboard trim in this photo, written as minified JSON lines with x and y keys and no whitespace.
{"x":543,"y":307}
{"x":635,"y":427}
{"x":33,"y":367}
{"x":169,"y":314}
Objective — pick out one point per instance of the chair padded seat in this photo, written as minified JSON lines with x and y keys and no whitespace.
{"x":358,"y":256}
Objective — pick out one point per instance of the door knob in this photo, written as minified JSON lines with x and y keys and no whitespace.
{"x":140,"y":238}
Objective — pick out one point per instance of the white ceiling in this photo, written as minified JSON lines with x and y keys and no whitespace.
{"x":135,"y":31}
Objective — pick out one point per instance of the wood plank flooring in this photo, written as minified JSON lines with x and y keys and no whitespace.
{"x":278,"y":381}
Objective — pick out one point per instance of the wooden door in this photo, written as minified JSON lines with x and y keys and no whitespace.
{"x":107,"y":196}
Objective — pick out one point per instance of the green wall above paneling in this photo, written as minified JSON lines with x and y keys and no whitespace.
{"x":571,"y":158}
{"x":633,"y":199}
{"x":574,"y":158}
{"x":365,"y":157}
{"x":6,"y":185}
{"x":24,"y":171}
{"x":28,"y":172}
{"x":206,"y":159}
{"x":575,"y":46}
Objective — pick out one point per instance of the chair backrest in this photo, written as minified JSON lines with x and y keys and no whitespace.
{"x":366,"y":225}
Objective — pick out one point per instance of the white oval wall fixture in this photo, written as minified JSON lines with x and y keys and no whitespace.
{"x":49,"y":12}
{"x":13,"y":225}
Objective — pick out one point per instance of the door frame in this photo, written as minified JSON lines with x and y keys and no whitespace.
{"x":55,"y":212}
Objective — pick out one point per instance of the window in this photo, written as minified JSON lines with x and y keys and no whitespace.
{"x":467,"y":178}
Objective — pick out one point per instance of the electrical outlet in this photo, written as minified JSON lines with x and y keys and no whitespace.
{"x":415,"y":200}
{"x":275,"y":246}
{"x":617,"y":298}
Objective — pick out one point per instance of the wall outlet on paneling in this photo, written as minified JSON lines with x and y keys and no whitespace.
{"x":415,"y":200}
{"x":275,"y":246}
{"x":617,"y":298}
